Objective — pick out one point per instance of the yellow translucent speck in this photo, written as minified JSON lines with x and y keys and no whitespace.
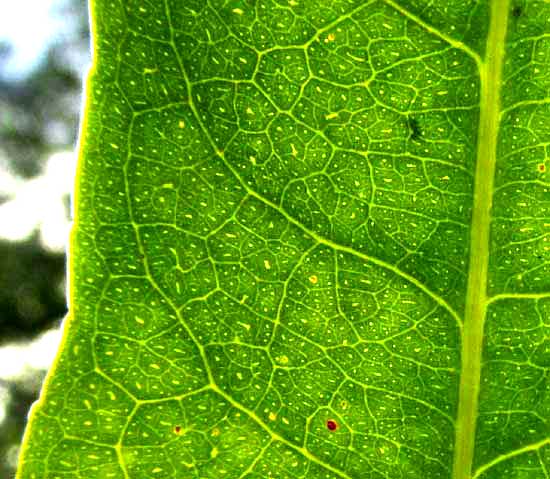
{"x":181,"y":124}
{"x":238,"y":11}
{"x":215,"y":432}
{"x":331,"y":116}
{"x":272,"y":416}
{"x":139,"y":320}
{"x":313,"y":279}
{"x":330,"y":38}
{"x":267,"y":264}
{"x":214,"y":452}
{"x":282,"y":359}
{"x":157,"y":469}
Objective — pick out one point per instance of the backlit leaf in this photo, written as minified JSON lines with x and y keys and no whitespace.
{"x":311,"y":241}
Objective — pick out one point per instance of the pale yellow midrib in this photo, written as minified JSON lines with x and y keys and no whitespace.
{"x":476,"y":296}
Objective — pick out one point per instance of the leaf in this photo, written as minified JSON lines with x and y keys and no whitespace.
{"x":311,"y":241}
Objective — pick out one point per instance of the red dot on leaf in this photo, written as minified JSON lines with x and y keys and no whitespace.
{"x":542,"y":167}
{"x":177,"y":429}
{"x":332,"y":425}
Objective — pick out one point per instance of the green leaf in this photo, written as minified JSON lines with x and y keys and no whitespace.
{"x":311,"y":241}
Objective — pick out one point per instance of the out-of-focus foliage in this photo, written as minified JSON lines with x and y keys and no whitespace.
{"x":30,"y":294}
{"x":38,"y":117}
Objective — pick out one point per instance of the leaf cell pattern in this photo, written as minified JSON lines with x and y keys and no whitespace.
{"x":312,"y":241}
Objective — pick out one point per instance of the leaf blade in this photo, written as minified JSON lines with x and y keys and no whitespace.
{"x":273,"y":218}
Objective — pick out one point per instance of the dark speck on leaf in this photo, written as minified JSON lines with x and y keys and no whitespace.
{"x":332,"y":425}
{"x":414,"y":128}
{"x":516,"y":12}
{"x":177,"y":429}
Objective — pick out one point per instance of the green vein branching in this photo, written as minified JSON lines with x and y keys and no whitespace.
{"x":524,"y":103}
{"x":436,"y":32}
{"x":337,"y":296}
{"x":509,"y":455}
{"x":314,"y":235}
{"x":284,"y":294}
{"x":252,"y":466}
{"x":213,"y":384}
{"x":346,"y":249}
{"x":147,"y":268}
{"x":118,"y":445}
{"x":290,"y":219}
{"x":476,"y":296}
{"x":504,"y":296}
{"x":276,"y":437}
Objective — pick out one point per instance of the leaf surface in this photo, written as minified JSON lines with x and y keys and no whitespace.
{"x":311,"y":241}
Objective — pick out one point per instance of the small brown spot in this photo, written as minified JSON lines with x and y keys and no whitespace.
{"x":313,"y":279}
{"x":177,"y":430}
{"x":542,"y":167}
{"x":332,"y":425}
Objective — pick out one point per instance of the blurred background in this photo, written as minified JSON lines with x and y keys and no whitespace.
{"x":44,"y":55}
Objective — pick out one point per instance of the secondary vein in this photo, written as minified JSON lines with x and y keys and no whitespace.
{"x":476,"y":297}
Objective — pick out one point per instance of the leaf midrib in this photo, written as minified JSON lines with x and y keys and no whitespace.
{"x":476,"y":297}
